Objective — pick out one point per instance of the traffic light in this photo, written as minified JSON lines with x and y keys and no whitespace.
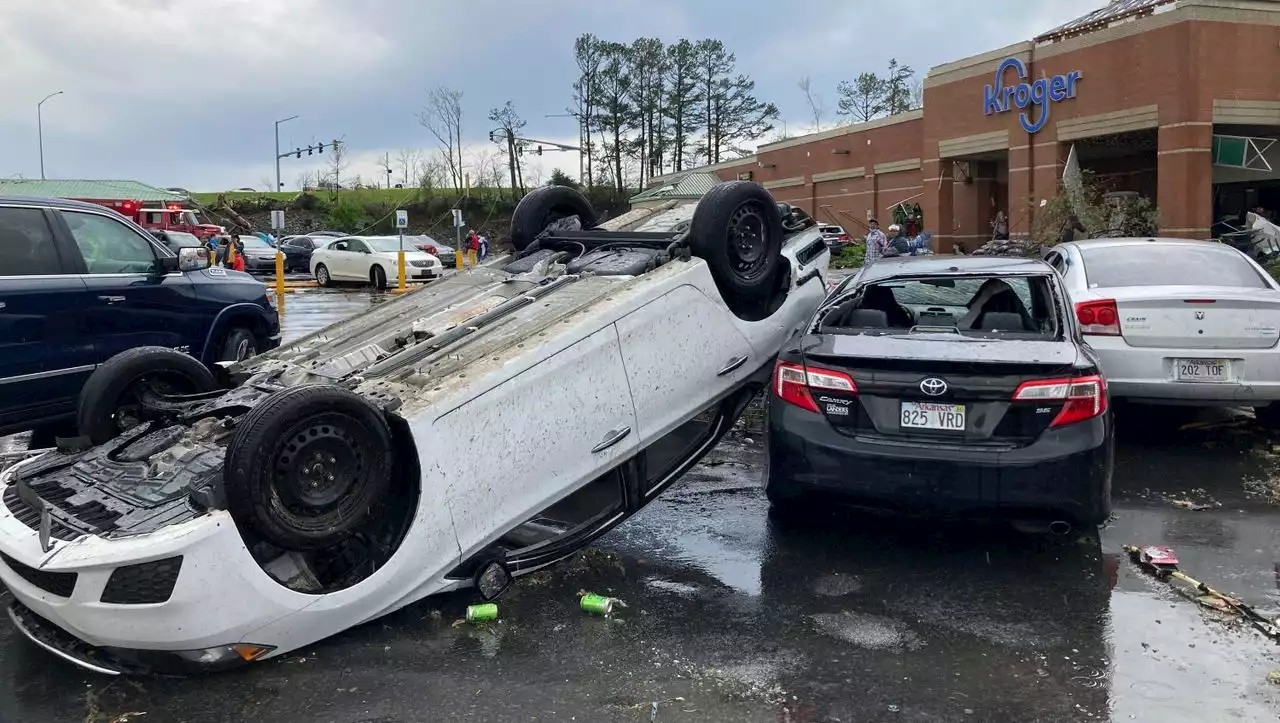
{"x":539,"y":150}
{"x":309,"y":150}
{"x":299,"y":153}
{"x":320,"y":147}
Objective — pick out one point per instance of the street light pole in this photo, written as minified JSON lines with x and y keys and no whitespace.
{"x":282,"y":120}
{"x":40,"y":130}
{"x":581,"y":144}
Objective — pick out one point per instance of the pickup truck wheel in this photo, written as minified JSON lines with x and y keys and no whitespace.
{"x":111,"y":400}
{"x":544,"y":206}
{"x":306,"y":465}
{"x":378,"y":277}
{"x":239,"y":344}
{"x":737,"y":230}
{"x":322,"y":276}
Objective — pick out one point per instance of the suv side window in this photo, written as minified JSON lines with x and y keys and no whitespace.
{"x":109,"y":246}
{"x":1055,"y":260}
{"x":26,"y":244}
{"x":357,"y":246}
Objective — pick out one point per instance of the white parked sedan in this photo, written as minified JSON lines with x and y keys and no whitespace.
{"x":476,"y":430}
{"x":1176,"y":321}
{"x":372,"y":259}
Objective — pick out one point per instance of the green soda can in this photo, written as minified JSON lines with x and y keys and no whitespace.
{"x":597,"y":604}
{"x":482,"y":612}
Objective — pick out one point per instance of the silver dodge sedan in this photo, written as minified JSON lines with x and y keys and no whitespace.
{"x":1176,"y":321}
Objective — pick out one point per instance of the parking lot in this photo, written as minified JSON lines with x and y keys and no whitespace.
{"x":735,"y":615}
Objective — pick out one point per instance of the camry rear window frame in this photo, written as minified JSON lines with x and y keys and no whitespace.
{"x":1052,"y":286}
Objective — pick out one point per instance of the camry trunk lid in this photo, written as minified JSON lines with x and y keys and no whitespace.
{"x":944,"y":388}
{"x":1209,"y":317}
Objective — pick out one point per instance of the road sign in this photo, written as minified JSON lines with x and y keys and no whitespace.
{"x":277,"y":220}
{"x":457,"y":218}
{"x":402,"y":219}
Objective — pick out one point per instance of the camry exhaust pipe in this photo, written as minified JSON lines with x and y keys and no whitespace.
{"x":1059,"y":527}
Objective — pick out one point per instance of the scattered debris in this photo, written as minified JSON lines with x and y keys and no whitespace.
{"x":1215,"y":424}
{"x":598,"y":604}
{"x":1163,"y":563}
{"x":482,"y":613}
{"x":1194,"y":506}
{"x":1274,"y":677}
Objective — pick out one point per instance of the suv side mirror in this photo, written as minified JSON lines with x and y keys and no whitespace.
{"x":191,"y":258}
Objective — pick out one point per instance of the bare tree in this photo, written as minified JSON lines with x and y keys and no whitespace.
{"x":338,"y":164}
{"x":407,"y":160}
{"x":916,"y":88}
{"x":817,"y":110}
{"x":536,"y":175}
{"x":431,"y":173}
{"x":265,"y":184}
{"x":443,"y":117}
{"x":303,"y":180}
{"x":510,"y":123}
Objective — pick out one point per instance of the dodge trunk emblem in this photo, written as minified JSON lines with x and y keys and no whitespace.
{"x":1199,"y":316}
{"x":933,"y":386}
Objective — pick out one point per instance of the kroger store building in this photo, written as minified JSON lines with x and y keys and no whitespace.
{"x":1178,"y":100}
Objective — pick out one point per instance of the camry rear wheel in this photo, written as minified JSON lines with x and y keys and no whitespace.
{"x":378,"y":277}
{"x":307,"y":464}
{"x":322,"y":276}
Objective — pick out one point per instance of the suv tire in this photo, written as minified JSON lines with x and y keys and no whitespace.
{"x":306,"y":465}
{"x":543,"y":206}
{"x":737,"y":230}
{"x":111,"y":394}
{"x":378,"y":277}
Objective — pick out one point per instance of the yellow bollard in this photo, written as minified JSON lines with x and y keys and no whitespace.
{"x":279,"y":273}
{"x":458,"y":256}
{"x":400,"y":264}
{"x":280,"y":306}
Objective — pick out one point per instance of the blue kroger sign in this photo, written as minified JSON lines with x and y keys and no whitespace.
{"x":1001,"y":98}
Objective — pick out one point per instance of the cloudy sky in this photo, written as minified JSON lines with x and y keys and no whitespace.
{"x":186,"y":92}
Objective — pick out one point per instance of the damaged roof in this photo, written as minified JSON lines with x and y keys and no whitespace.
{"x":693,"y":184}
{"x":1115,"y":11}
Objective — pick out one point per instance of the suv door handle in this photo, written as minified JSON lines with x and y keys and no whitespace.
{"x":2,"y":306}
{"x":111,"y":299}
{"x":610,"y":439}
{"x":732,"y":365}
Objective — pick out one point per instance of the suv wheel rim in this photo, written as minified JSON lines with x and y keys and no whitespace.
{"x":748,"y":240}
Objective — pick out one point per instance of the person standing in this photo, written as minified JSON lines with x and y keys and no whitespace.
{"x":876,"y":243}
{"x":473,"y":246}
{"x":483,"y":242}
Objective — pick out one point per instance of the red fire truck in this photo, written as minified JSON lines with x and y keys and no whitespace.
{"x":169,"y":216}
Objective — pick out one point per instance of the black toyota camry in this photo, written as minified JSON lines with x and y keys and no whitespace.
{"x":944,"y":384}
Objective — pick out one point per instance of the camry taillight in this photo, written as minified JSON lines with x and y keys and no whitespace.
{"x":1082,"y":397}
{"x":792,"y":382}
{"x":844,"y":237}
{"x":1098,"y":318}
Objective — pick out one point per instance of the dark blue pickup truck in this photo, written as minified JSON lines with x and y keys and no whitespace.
{"x":80,"y":284}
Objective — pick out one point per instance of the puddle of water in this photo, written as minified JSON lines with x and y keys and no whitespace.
{"x":872,"y":632}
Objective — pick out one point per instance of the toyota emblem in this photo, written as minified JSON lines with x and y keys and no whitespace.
{"x":933,"y":386}
{"x":1199,"y":316}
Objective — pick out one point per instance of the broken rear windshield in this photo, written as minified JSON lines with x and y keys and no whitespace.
{"x":983,"y":306}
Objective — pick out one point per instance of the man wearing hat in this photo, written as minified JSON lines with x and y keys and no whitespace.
{"x":876,"y":242}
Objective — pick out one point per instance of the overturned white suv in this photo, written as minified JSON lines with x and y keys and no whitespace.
{"x":469,"y":432}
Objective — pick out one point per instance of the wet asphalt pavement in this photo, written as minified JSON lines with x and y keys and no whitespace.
{"x":734,"y":615}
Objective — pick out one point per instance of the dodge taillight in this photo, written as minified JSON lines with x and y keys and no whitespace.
{"x":792,"y":383}
{"x":1082,"y":397}
{"x":1098,"y":318}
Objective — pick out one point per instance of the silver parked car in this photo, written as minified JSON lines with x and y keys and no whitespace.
{"x":1177,"y":321}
